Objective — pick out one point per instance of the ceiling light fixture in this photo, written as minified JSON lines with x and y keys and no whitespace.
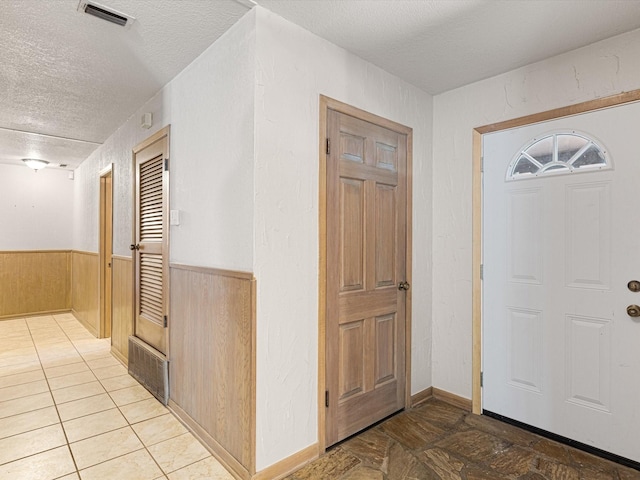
{"x":35,"y":163}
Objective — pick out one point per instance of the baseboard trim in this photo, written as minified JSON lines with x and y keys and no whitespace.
{"x":15,"y":316}
{"x":452,"y":399}
{"x":288,"y":465}
{"x":421,"y":397}
{"x":92,"y":330}
{"x":447,"y":397}
{"x":217,"y":450}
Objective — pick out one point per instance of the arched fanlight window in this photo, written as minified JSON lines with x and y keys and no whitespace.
{"x":558,"y":153}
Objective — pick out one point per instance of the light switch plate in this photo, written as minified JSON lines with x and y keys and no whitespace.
{"x":174,"y":217}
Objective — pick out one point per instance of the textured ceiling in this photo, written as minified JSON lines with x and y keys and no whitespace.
{"x":443,"y":44}
{"x":68,"y":80}
{"x":67,"y":74}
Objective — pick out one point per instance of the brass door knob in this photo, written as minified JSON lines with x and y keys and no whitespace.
{"x":634,"y":286}
{"x":633,"y":311}
{"x":404,"y":286}
{"x":134,"y":247}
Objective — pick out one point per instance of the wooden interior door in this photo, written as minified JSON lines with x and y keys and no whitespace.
{"x":106,"y":251}
{"x":150,"y":247}
{"x":366,"y":291}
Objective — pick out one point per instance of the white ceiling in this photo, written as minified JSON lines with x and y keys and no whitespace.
{"x":68,"y":80}
{"x":444,"y":44}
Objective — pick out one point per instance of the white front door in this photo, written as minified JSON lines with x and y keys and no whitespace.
{"x":560,"y":351}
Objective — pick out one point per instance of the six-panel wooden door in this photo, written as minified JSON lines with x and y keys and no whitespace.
{"x":366,"y":263}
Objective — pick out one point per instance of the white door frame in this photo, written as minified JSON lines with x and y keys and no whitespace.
{"x":477,"y":194}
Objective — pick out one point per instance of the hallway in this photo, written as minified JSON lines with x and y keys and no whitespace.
{"x":70,"y":410}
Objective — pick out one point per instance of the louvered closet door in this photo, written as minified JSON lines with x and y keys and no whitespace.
{"x":151,"y":252}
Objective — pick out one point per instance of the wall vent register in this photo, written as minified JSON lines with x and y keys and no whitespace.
{"x":105,"y":13}
{"x":556,"y":154}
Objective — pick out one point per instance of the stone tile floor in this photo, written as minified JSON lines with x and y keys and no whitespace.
{"x":439,"y":441}
{"x":70,"y":410}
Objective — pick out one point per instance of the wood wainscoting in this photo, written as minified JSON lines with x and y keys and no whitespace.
{"x":212,"y":366}
{"x":122,"y":308}
{"x":34,"y":282}
{"x":85,"y":292}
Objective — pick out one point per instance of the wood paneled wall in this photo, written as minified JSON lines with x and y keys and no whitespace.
{"x":122,"y":309}
{"x":34,"y":282}
{"x":212,"y":360}
{"x":85,"y":289}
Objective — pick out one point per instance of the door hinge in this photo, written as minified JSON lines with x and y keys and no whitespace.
{"x":328,"y":146}
{"x":481,"y":379}
{"x":165,"y":321}
{"x":482,"y":164}
{"x":166,"y":164}
{"x":326,"y":398}
{"x":482,"y":271}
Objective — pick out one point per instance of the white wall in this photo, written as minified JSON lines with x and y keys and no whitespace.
{"x":212,"y":142}
{"x":605,"y":68}
{"x":293,"y":68}
{"x":36,"y":209}
{"x":210,"y":108}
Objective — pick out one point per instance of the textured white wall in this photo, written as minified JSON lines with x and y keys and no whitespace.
{"x":210,"y":108}
{"x":293,"y":68}
{"x":36,"y":209}
{"x":212,"y":142}
{"x":605,"y":68}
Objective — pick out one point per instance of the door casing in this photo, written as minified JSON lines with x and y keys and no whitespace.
{"x":477,"y":193}
{"x":106,"y":250}
{"x":327,"y":103}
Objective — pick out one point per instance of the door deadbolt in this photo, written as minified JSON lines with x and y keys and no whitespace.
{"x":633,"y":311}
{"x":634,"y":286}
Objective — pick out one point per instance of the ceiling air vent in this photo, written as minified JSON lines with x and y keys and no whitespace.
{"x":105,"y":13}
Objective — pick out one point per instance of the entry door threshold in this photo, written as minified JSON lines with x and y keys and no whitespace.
{"x":566,"y":441}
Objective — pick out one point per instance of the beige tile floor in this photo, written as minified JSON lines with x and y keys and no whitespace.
{"x":69,"y":410}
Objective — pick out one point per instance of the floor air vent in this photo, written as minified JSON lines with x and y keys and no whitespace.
{"x":149,"y":367}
